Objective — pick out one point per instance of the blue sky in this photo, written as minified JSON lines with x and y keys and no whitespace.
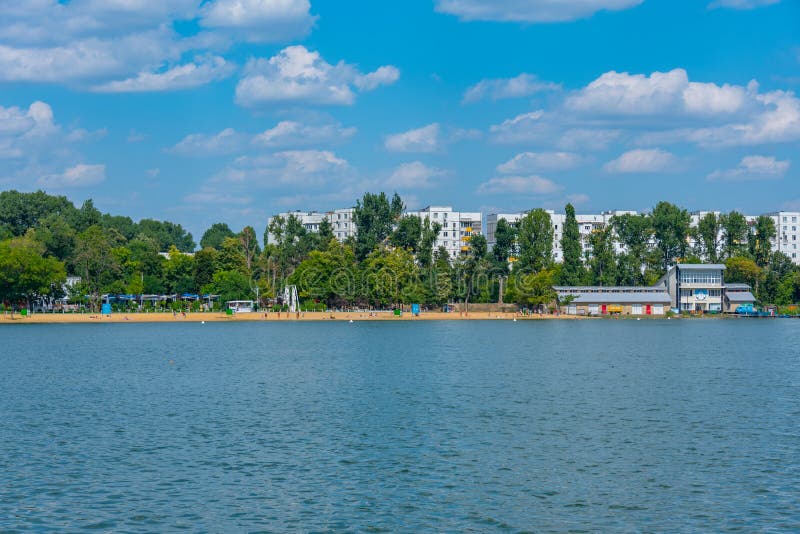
{"x":205,"y":110}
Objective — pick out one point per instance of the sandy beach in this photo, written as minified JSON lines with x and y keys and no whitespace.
{"x":44,"y":318}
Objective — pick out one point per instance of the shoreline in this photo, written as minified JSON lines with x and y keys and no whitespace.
{"x":272,"y":317}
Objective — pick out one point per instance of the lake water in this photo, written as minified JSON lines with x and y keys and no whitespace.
{"x":431,"y":426}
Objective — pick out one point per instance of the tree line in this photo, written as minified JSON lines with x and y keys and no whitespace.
{"x":392,"y":260}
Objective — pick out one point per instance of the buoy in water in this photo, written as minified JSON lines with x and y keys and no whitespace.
{"x":351,"y":320}
{"x":202,"y":322}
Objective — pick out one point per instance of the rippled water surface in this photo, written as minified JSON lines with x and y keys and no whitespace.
{"x":429,"y":426}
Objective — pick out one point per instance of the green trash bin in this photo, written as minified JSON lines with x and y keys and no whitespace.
{"x":228,"y":311}
{"x":23,"y":312}
{"x":398,"y":313}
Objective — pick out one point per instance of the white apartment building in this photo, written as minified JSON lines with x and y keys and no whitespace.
{"x":787,"y":226}
{"x":587,"y":223}
{"x":457,"y":227}
{"x":341,"y":221}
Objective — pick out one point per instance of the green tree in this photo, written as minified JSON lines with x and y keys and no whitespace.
{"x":572,"y":271}
{"x":229,"y":285}
{"x":21,"y":211}
{"x":408,"y":233}
{"x":505,"y":237}
{"x":671,"y":232}
{"x":56,"y":235}
{"x":760,"y":240}
{"x":734,"y":234}
{"x":743,"y":270}
{"x":123,"y":225}
{"x":325,"y":233}
{"x":213,"y":237}
{"x":94,"y":262}
{"x":535,"y":238}
{"x":248,"y":243}
{"x":179,"y":272}
{"x":374,"y":216}
{"x":428,"y":235}
{"x":86,"y":216}
{"x":231,"y":257}
{"x":167,"y":234}
{"x":441,"y":282}
{"x":25,"y":273}
{"x":709,"y":230}
{"x":205,"y":265}
{"x":388,"y":273}
{"x":603,"y":262}
{"x":330,"y":276}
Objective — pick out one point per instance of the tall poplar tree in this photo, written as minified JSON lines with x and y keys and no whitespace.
{"x":572,"y":269}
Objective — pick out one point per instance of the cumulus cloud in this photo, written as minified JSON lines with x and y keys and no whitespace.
{"x":517,"y":87}
{"x":414,"y":175}
{"x":260,"y":20}
{"x":80,"y":175}
{"x":193,"y":74}
{"x":524,"y":128}
{"x":133,"y":43}
{"x":425,"y":139}
{"x":529,"y":10}
{"x":299,"y":168}
{"x":620,"y":93}
{"x":528,"y":162}
{"x":227,"y":141}
{"x":293,"y":133}
{"x":752,"y":168}
{"x":283,"y":135}
{"x":299,"y":75}
{"x":642,"y":161}
{"x":519,"y":185}
{"x":743,"y":4}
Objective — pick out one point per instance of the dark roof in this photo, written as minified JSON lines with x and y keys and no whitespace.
{"x":741,"y":296}
{"x":737,"y":287}
{"x":700,"y":266}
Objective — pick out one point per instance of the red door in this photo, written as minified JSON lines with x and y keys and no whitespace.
{"x":649,"y":310}
{"x":605,"y":309}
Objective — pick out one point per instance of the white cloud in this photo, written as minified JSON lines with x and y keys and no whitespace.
{"x":88,"y":59}
{"x":517,"y":87}
{"x":743,"y":4}
{"x":414,"y":175}
{"x":297,"y":74}
{"x":528,"y":162}
{"x":292,"y":133}
{"x":529,"y":10}
{"x":80,"y":175}
{"x":192,"y":74}
{"x":752,"y":168}
{"x":521,"y":185}
{"x":642,"y":161}
{"x":777,"y":121}
{"x":80,"y":135}
{"x":578,"y":198}
{"x":227,"y":141}
{"x":525,"y":128}
{"x":260,"y":20}
{"x":587,"y":139}
{"x":284,"y":134}
{"x":620,"y":93}
{"x":425,"y":139}
{"x":386,"y":75}
{"x":297,"y":168}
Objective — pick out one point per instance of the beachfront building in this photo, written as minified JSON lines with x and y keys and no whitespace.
{"x":735,"y":295}
{"x":695,"y":287}
{"x":457,"y":227}
{"x":594,"y":300}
